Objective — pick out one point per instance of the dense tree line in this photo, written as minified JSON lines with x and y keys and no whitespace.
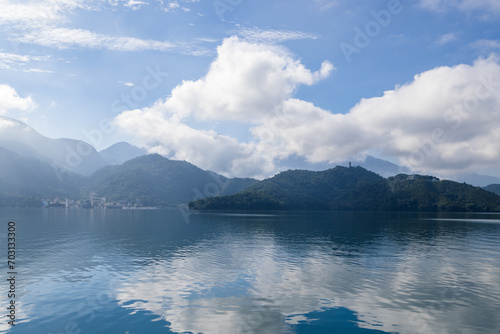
{"x":342,"y":188}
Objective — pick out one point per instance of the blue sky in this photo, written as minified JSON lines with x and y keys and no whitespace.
{"x":244,"y":87}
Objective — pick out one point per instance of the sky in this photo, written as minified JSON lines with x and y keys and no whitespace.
{"x":249,"y":88}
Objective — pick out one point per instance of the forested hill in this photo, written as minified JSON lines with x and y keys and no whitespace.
{"x":356,"y":188}
{"x":154,"y":180}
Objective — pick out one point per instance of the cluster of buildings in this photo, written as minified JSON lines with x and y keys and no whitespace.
{"x":93,"y":202}
{"x":422,"y":177}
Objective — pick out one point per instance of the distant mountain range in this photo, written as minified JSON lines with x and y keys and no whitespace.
{"x":382,"y":167}
{"x":67,"y":155}
{"x":33,"y":167}
{"x":29,"y":176}
{"x":355,"y":188}
{"x":120,"y":152}
{"x":494,"y":188}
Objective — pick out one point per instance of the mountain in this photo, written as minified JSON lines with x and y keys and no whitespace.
{"x":382,"y":167}
{"x":22,"y":176}
{"x":154,"y":180}
{"x":120,"y":152}
{"x":64,"y":154}
{"x":494,"y":188}
{"x":477,"y":180}
{"x":355,"y":188}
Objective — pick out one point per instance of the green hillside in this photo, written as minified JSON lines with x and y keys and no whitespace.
{"x":153,"y":180}
{"x":342,"y":188}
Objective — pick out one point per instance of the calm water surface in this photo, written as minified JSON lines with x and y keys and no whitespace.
{"x":114,"y":271}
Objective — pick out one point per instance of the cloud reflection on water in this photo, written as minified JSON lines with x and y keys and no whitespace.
{"x":261,"y":282}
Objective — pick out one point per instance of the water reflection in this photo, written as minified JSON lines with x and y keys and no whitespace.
{"x":425,"y":280}
{"x":101,"y":271}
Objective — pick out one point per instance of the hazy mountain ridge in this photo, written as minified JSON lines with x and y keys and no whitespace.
{"x":72,"y":155}
{"x":494,"y":188}
{"x":34,"y":166}
{"x":356,"y":188}
{"x":157,"y":181}
{"x":121,"y":152}
{"x":23,"y":176}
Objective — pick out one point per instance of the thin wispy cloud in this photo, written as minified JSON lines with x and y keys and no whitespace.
{"x":64,"y":38}
{"x":324,"y":5}
{"x":135,"y":4}
{"x":447,"y":38}
{"x":272,"y":36}
{"x":464,"y":5}
{"x":487,"y":45}
{"x":12,"y":61}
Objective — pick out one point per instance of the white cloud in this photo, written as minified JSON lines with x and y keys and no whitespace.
{"x":445,"y":120}
{"x":247,"y":83}
{"x":10,"y":100}
{"x":326,"y":4}
{"x":42,"y":23}
{"x":277,"y":295}
{"x":485,"y":45}
{"x":64,"y":38}
{"x":272,"y":36}
{"x":127,"y":84}
{"x":135,"y":4}
{"x":171,"y":6}
{"x":246,"y":80}
{"x":170,"y":137}
{"x":464,"y":5}
{"x":32,"y":15}
{"x":37,"y":13}
{"x":446,"y":38}
{"x":12,"y":61}
{"x":7,"y":60}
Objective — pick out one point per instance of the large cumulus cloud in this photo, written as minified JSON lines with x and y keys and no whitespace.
{"x":444,"y":120}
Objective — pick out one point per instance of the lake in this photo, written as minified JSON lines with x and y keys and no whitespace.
{"x":166,"y":271}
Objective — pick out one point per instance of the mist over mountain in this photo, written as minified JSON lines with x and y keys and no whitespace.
{"x":33,"y":166}
{"x":477,"y":180}
{"x":71,"y":155}
{"x":24,"y":176}
{"x":120,"y":152}
{"x":494,"y":188}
